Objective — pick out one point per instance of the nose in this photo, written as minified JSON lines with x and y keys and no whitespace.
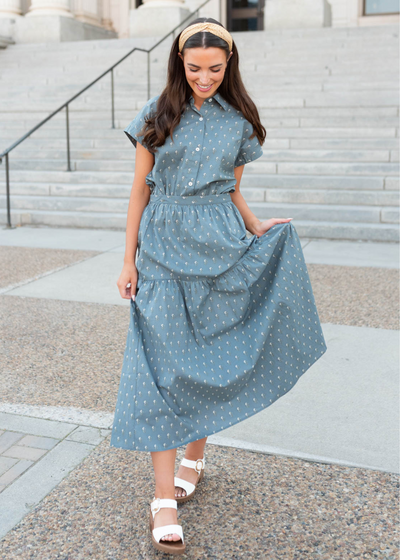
{"x":204,"y":79}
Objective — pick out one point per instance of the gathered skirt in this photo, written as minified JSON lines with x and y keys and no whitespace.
{"x":222,"y":325}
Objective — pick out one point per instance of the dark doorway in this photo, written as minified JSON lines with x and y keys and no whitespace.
{"x":245,"y":15}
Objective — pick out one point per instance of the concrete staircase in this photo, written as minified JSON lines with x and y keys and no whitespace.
{"x":329,"y":99}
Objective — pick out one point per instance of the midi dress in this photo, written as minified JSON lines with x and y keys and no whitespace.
{"x":223,"y":323}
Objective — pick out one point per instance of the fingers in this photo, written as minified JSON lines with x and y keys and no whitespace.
{"x":130,"y":290}
{"x":127,"y":282}
{"x":127,"y":290}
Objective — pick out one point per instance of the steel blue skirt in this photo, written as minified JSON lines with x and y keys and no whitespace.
{"x":221,"y":327}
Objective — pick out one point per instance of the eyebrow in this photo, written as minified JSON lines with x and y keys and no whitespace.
{"x":195,"y":65}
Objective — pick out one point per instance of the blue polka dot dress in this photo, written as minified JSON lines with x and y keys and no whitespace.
{"x":223,"y":324}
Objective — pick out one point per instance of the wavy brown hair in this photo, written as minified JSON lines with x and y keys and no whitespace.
{"x":176,"y":94}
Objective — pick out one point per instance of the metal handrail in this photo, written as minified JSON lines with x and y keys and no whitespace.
{"x":66,"y":104}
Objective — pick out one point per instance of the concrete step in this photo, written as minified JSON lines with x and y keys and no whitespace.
{"x":283,"y":122}
{"x":5,"y":42}
{"x":24,"y":180}
{"x":251,"y":193}
{"x":305,"y":228}
{"x":97,"y":154}
{"x":8,"y":137}
{"x":278,"y":99}
{"x":315,"y":196}
{"x":304,"y":211}
{"x":285,"y":167}
{"x":122,"y":142}
{"x":34,"y":116}
{"x":313,"y":168}
{"x":326,"y":213}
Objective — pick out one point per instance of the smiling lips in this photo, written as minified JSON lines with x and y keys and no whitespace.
{"x":201,"y":88}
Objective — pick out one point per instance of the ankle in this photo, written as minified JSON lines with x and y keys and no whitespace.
{"x":165,"y":494}
{"x":190,"y":456}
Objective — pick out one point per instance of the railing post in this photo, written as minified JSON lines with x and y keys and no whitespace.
{"x":68,"y":150}
{"x":8,"y":193}
{"x":112,"y":99}
{"x":148,"y":75}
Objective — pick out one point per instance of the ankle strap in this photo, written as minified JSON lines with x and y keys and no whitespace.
{"x":159,"y":503}
{"x":198,"y":465}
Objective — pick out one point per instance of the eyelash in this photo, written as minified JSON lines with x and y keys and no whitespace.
{"x":214,"y":71}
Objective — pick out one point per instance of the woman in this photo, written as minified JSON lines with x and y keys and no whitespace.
{"x":221,"y":324}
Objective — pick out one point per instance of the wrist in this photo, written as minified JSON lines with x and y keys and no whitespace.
{"x":253,"y":225}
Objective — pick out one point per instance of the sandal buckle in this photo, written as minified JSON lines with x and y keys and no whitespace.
{"x":196,"y":468}
{"x":155,"y":506}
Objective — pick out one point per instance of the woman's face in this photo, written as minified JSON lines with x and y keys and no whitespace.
{"x":204,"y":67}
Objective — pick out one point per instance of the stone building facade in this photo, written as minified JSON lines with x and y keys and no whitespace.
{"x":66,"y":20}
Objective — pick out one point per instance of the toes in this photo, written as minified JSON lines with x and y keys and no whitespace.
{"x":171,"y":537}
{"x":179,"y":493}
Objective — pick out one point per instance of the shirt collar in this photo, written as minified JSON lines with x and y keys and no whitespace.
{"x":217,"y":96}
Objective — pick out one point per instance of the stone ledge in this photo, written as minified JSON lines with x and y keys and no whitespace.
{"x":52,"y":29}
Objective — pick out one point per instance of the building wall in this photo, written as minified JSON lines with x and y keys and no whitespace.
{"x":349,"y":13}
{"x":114,"y":14}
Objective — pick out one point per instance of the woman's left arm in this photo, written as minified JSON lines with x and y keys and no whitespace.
{"x":252,"y":223}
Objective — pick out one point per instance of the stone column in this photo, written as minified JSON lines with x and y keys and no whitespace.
{"x":88,"y":12}
{"x":106,"y":18}
{"x":50,"y":8}
{"x":10,"y":8}
{"x":157,"y":17}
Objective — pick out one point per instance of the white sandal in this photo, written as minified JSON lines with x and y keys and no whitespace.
{"x":190,"y":488}
{"x":170,"y":547}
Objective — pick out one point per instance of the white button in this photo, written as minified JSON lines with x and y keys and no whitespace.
{"x":197,"y":149}
{"x":201,"y":118}
{"x":190,"y":183}
{"x":210,"y":99}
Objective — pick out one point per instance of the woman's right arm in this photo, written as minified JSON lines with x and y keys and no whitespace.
{"x":138,"y":200}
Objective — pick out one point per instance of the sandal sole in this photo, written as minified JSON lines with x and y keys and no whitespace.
{"x":176,"y":549}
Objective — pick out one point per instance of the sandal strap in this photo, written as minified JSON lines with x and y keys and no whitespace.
{"x":185,"y":484}
{"x":198,"y":465}
{"x":159,"y":503}
{"x":160,"y":532}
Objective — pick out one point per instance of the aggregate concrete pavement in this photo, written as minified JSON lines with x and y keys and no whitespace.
{"x":342,"y":413}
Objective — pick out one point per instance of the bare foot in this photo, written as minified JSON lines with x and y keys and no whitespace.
{"x":187,"y":474}
{"x":167,"y":516}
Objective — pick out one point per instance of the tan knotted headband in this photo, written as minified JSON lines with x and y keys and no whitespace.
{"x":205,"y":26}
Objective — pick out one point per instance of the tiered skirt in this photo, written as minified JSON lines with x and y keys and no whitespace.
{"x":222,"y":325}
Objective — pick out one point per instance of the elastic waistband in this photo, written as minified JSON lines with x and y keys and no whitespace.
{"x":194,"y":199}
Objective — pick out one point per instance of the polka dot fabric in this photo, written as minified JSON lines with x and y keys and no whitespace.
{"x":206,"y":146}
{"x":222,"y":324}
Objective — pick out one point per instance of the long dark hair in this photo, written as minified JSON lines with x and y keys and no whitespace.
{"x":175,"y":96}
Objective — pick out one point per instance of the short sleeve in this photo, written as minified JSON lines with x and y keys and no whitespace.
{"x":135,"y":126}
{"x":249,"y":149}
